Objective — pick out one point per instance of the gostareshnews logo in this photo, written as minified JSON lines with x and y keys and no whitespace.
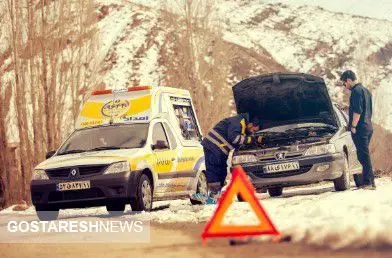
{"x":77,"y":230}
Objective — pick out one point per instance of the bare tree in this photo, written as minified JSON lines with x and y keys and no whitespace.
{"x":201,"y":64}
{"x":52,"y":45}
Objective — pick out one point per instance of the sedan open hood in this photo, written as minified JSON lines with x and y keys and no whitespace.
{"x":285,"y":98}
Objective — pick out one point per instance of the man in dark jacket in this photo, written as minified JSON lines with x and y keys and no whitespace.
{"x":360,"y":124}
{"x":227,"y":135}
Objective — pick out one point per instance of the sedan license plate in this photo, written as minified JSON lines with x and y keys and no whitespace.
{"x":288,"y":166}
{"x":76,"y":185}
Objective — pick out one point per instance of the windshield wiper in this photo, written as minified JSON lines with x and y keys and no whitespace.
{"x":107,"y":148}
{"x":71,"y":151}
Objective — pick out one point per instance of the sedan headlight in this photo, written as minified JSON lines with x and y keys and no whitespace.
{"x":118,"y":167}
{"x":39,"y":174}
{"x":243,"y":159}
{"x":320,"y":150}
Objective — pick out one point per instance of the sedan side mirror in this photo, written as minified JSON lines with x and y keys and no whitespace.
{"x":50,"y":154}
{"x":160,"y":145}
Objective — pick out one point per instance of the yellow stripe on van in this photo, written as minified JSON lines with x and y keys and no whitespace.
{"x":92,"y":110}
{"x":139,"y":105}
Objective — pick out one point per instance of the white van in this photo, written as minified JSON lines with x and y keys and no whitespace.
{"x":132,"y":146}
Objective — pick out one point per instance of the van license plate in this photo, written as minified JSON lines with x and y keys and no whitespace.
{"x":288,"y":166}
{"x":76,"y":185}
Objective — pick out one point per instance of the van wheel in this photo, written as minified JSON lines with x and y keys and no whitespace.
{"x":46,"y":213}
{"x":343,"y":183}
{"x":274,"y":192}
{"x":201,"y":188}
{"x":358,"y":179}
{"x":143,"y":201}
{"x":115,"y":209}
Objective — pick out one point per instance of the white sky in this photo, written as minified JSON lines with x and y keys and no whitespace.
{"x":381,"y":9}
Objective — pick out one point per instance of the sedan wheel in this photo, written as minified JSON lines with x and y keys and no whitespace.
{"x":358,"y":179}
{"x":274,"y":192}
{"x":343,"y":183}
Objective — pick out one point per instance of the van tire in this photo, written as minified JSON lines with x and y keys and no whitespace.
{"x":200,"y":188}
{"x":46,"y":212}
{"x":144,"y":195}
{"x":115,"y":208}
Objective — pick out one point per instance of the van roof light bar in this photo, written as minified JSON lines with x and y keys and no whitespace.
{"x":130,"y":89}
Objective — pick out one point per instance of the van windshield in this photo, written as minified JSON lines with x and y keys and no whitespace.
{"x":106,"y":138}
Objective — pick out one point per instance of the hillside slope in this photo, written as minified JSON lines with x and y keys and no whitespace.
{"x":262,"y":37}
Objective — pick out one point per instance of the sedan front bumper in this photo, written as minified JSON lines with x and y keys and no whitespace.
{"x":312,"y":169}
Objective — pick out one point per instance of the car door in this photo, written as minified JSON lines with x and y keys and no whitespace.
{"x":353,"y":162}
{"x":164,"y":160}
{"x":186,"y":161}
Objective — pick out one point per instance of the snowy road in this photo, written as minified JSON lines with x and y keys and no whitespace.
{"x":314,"y":215}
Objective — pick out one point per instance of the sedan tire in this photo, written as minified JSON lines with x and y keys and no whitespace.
{"x":275,"y":192}
{"x":343,"y":183}
{"x":358,"y":179}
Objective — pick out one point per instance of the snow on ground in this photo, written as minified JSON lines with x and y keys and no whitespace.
{"x":315,"y":215}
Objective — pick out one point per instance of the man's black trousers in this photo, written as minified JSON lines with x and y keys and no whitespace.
{"x":361,"y":140}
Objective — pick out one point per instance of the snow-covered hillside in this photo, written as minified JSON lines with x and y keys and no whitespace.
{"x":272,"y":37}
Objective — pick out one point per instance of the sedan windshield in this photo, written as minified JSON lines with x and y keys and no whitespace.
{"x":106,"y":138}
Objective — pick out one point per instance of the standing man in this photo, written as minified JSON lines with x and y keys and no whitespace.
{"x":227,"y":135}
{"x":360,"y":124}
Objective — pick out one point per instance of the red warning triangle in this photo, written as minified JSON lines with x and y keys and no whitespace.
{"x":238,"y":185}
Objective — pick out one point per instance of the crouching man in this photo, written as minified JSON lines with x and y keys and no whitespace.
{"x":227,"y":135}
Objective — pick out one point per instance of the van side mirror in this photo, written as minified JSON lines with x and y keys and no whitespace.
{"x":160,"y":145}
{"x":50,"y":154}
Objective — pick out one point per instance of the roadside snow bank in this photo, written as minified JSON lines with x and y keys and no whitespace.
{"x":314,"y":215}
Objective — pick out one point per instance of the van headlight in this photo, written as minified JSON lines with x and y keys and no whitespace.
{"x":39,"y":174}
{"x":244,"y":159}
{"x":118,"y":167}
{"x":320,"y":150}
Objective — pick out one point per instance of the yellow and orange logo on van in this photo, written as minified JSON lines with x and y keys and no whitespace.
{"x":115,"y":108}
